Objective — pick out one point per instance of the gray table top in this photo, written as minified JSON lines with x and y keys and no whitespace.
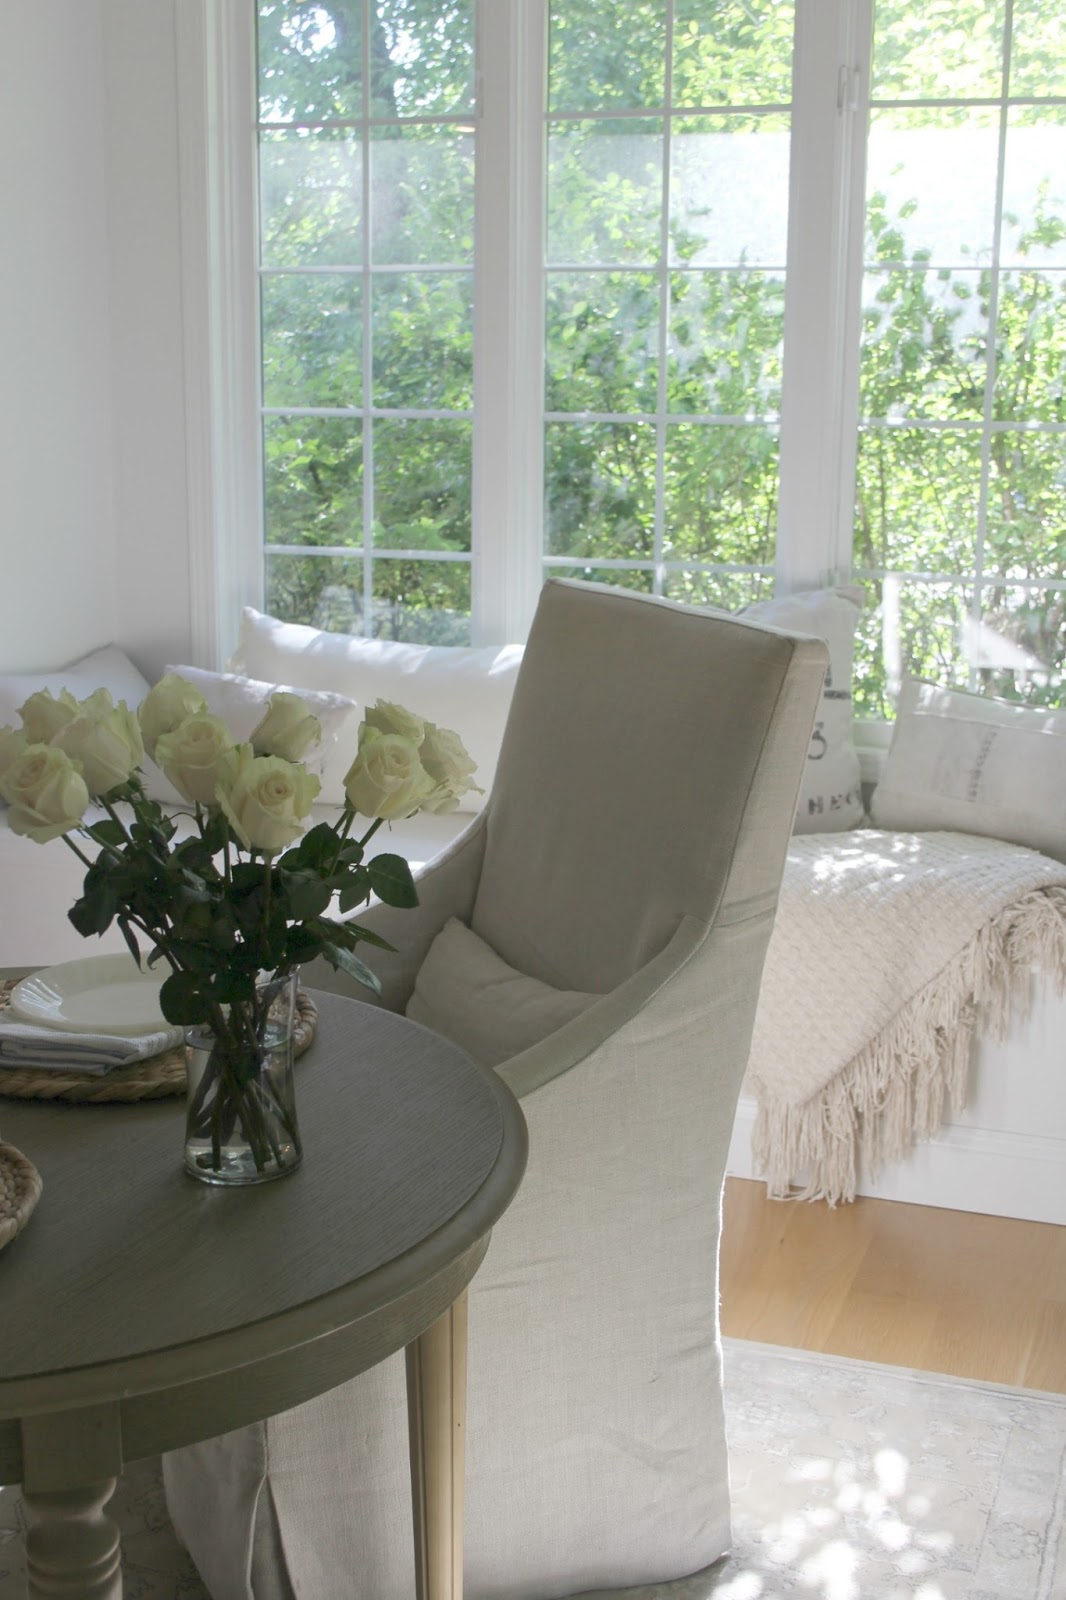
{"x":132,"y":1276}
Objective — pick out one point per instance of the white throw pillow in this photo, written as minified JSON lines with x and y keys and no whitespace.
{"x":467,"y":993}
{"x":968,"y":764}
{"x":830,"y":798}
{"x":107,"y":668}
{"x":241,"y":703}
{"x":456,"y":686}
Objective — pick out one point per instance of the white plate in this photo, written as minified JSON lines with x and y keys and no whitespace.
{"x":99,"y":994}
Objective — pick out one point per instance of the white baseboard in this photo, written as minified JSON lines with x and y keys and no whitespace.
{"x":962,"y":1169}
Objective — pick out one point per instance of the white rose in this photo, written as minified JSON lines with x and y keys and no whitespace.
{"x":387,"y":779}
{"x":288,"y":729}
{"x":44,"y":714}
{"x":388,"y":717}
{"x":266,"y":801}
{"x":194,"y":756}
{"x":104,"y":739}
{"x":166,"y":706}
{"x":450,"y":765}
{"x":12,"y":743}
{"x":46,"y":793}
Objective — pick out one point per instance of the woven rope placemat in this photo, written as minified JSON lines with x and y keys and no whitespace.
{"x":153,"y":1079}
{"x":20,"y":1190}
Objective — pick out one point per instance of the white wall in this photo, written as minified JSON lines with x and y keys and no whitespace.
{"x":147,"y":351}
{"x":93,"y":517}
{"x":56,"y":501}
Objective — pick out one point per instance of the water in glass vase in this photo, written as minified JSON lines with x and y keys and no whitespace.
{"x":241,"y":1125}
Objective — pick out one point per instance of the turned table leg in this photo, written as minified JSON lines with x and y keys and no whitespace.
{"x":436,"y":1409}
{"x":72,"y":1545}
{"x":70,"y":1464}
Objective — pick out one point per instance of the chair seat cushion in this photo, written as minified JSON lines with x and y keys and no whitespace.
{"x":466,"y":992}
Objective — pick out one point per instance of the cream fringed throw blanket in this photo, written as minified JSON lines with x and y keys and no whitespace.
{"x":889,"y":951}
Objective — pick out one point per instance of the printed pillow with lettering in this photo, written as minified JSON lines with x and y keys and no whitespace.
{"x":830,"y":798}
{"x":969,"y":764}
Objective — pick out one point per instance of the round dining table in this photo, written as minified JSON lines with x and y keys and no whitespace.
{"x":143,"y":1310}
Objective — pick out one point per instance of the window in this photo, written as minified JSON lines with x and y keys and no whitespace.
{"x":961,"y":466}
{"x":525,"y":310}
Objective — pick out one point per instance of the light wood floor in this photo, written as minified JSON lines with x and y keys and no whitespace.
{"x":946,"y":1291}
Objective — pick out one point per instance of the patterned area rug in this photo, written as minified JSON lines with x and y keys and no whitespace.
{"x":850,"y":1482}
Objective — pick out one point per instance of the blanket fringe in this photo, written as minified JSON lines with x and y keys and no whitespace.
{"x":893,"y":1093}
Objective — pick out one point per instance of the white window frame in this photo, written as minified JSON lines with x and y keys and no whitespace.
{"x":820,"y":393}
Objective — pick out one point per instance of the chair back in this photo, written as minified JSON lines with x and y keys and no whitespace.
{"x":649,"y":771}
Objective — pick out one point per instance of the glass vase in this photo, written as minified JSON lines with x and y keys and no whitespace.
{"x":240,"y":1125}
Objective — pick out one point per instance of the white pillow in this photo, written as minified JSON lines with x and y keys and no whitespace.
{"x":241,"y":703}
{"x":830,"y":798}
{"x":969,"y":764}
{"x":107,"y":668}
{"x":460,"y":687}
{"x":467,"y":993}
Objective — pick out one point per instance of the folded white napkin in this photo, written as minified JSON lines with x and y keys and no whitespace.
{"x":24,"y":1045}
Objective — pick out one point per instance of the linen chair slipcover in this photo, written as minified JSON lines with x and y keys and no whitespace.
{"x":632,"y":848}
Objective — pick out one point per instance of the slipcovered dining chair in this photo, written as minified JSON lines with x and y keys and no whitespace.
{"x":597,"y":933}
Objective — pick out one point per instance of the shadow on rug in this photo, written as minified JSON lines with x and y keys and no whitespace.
{"x":850,"y":1481}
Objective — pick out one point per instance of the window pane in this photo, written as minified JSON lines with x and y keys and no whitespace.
{"x":1034,"y":188}
{"x":312,"y":333}
{"x":421,"y":58}
{"x":597,"y":62}
{"x":924,"y":343}
{"x":724,"y":591}
{"x":917,"y":493}
{"x":423,"y":340}
{"x":1018,"y":648}
{"x":725,"y":344}
{"x":907,"y":627}
{"x":421,"y":602}
{"x":602,"y":341}
{"x":1031,"y":347}
{"x":732,"y":52}
{"x":311,"y":200}
{"x":1026,"y":534}
{"x":310,"y":61}
{"x":600,"y":489}
{"x":924,"y":51}
{"x":605,"y":191}
{"x":721,"y":494}
{"x":931,"y":186}
{"x":729,"y":191}
{"x":322,"y":591}
{"x":313,"y":480}
{"x":642,"y":582}
{"x":421,"y":484}
{"x":1038,"y":50}
{"x":422,"y":197}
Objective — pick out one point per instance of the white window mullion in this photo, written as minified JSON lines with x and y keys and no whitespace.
{"x":508,"y":495}
{"x":215,"y":51}
{"x":819,"y":402}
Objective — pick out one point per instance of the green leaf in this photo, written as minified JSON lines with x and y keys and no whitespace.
{"x":182,"y":1001}
{"x":352,"y":966}
{"x":96,"y":908}
{"x":302,"y":944}
{"x":391,"y":880}
{"x":108,"y":832}
{"x":308,"y":895}
{"x":316,"y":849}
{"x":130,"y":938}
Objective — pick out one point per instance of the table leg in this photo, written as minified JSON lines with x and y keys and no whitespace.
{"x":70,"y":1464}
{"x":436,"y":1410}
{"x":72,"y":1545}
